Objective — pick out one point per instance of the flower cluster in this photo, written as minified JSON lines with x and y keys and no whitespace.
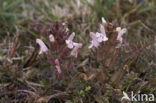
{"x":73,"y":45}
{"x":59,"y":54}
{"x":63,"y":48}
{"x":101,"y":36}
{"x":98,"y":37}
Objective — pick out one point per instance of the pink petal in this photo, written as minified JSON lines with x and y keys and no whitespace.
{"x":69,"y":44}
{"x":69,"y":41}
{"x":123,"y":31}
{"x":90,"y":46}
{"x":71,"y":37}
{"x":43,"y":47}
{"x":74,"y":52}
{"x":58,"y":66}
{"x":92,"y":35}
{"x":94,"y":41}
{"x":120,"y":34}
{"x":102,"y":29}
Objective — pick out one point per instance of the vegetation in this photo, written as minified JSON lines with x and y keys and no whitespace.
{"x":96,"y":75}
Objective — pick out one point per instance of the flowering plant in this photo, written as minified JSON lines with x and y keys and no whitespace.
{"x":106,"y":42}
{"x":59,"y":54}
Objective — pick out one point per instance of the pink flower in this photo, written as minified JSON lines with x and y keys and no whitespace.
{"x":120,"y":33}
{"x":74,"y":45}
{"x":94,"y":41}
{"x":98,"y":37}
{"x":58,"y":66}
{"x":69,"y":41}
{"x":43,"y":47}
{"x":101,"y":37}
{"x":74,"y":52}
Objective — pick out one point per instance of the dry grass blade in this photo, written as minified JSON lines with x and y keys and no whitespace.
{"x":14,"y":47}
{"x":87,"y":78}
{"x":47,"y":98}
{"x":29,"y":92}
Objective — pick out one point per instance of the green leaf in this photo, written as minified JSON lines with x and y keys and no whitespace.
{"x":88,"y":88}
{"x":146,"y":9}
{"x":82,"y":93}
{"x":9,"y":14}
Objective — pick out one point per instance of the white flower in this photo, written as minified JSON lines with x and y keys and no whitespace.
{"x":43,"y":47}
{"x":120,"y":33}
{"x":118,"y":29}
{"x":103,"y":20}
{"x":51,"y":38}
